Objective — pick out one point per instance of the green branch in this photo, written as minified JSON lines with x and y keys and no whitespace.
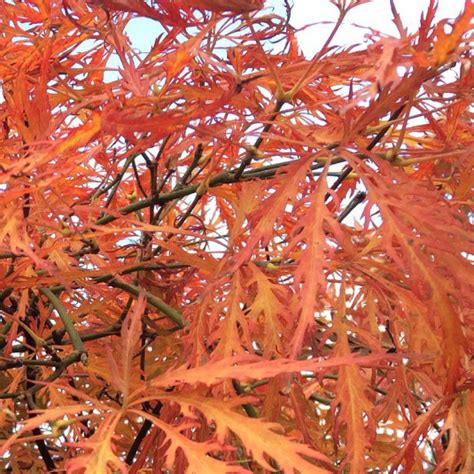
{"x":153,"y":300}
{"x":226,"y":177}
{"x":68,"y":323}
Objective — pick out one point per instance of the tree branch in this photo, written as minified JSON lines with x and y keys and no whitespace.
{"x":252,"y":152}
{"x":68,"y":323}
{"x":156,"y":302}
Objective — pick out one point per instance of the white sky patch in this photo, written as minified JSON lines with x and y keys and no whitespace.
{"x":375,"y":14}
{"x":322,"y":14}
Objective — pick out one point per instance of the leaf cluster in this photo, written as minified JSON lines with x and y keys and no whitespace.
{"x":221,"y":256}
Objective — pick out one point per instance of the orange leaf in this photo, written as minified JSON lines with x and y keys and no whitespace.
{"x":80,"y":136}
{"x":197,"y":454}
{"x":448,"y":42}
{"x":100,"y":457}
{"x":246,"y":367}
{"x":45,"y":417}
{"x":261,"y":438}
{"x":121,"y":361}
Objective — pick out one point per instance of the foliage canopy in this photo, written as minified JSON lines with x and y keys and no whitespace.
{"x":220,"y":256}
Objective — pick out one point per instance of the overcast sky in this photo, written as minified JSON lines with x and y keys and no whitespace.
{"x":375,"y":14}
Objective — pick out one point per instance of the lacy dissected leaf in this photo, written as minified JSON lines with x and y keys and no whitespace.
{"x":247,"y":367}
{"x":99,"y":456}
{"x":48,"y":415}
{"x":309,"y":276}
{"x":141,"y":8}
{"x":233,"y":332}
{"x":122,"y":362}
{"x":80,"y":136}
{"x":197,"y":454}
{"x":264,"y":218}
{"x":459,"y":425}
{"x":268,"y":313}
{"x":448,"y":42}
{"x":407,"y":456}
{"x":353,"y":407}
{"x":260,"y":438}
{"x":242,"y":257}
{"x":429,"y":262}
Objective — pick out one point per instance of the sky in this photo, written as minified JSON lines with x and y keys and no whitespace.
{"x":320,"y":14}
{"x":376,"y":14}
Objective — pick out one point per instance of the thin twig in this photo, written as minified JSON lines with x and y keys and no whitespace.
{"x":31,"y":374}
{"x":248,"y":407}
{"x":226,"y":177}
{"x":196,"y":158}
{"x":355,"y":201}
{"x":348,"y":169}
{"x":252,"y":152}
{"x":147,"y":424}
{"x":116,"y":181}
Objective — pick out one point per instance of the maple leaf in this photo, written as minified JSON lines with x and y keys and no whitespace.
{"x":268,"y":306}
{"x":310,"y":271}
{"x":100,"y":457}
{"x":459,"y":423}
{"x":123,"y":373}
{"x":48,"y":415}
{"x":140,"y":7}
{"x":352,"y":403}
{"x":447,"y":42}
{"x":260,"y":437}
{"x":416,"y":259}
{"x":245,"y":367}
{"x":227,"y":337}
{"x":197,"y":454}
{"x":80,"y":136}
{"x":266,"y":216}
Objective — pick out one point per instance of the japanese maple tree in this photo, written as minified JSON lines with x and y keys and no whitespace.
{"x":222,"y":256}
